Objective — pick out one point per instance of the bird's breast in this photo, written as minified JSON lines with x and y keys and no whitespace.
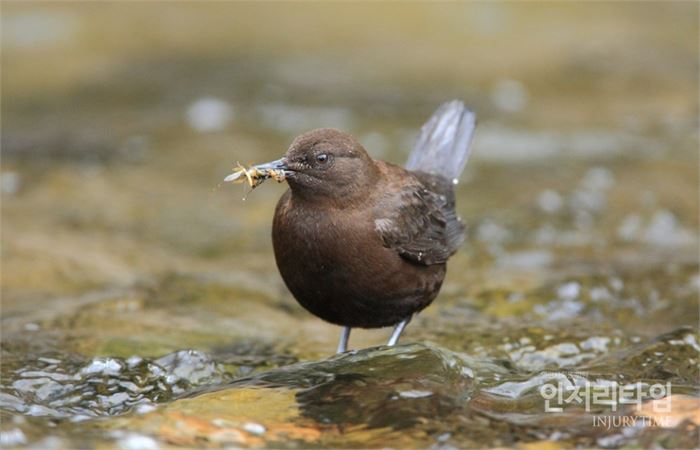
{"x":336,"y":266}
{"x":324,"y":244}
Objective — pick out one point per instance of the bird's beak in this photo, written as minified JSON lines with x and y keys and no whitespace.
{"x":278,"y":164}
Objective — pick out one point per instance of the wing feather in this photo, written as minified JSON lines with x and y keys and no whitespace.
{"x":420,"y":223}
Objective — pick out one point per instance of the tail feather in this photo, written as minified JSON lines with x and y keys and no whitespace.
{"x":443,"y":145}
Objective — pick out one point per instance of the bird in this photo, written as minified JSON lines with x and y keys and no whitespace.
{"x":363,"y":243}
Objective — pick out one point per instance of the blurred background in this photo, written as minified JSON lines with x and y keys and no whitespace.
{"x":120,"y":119}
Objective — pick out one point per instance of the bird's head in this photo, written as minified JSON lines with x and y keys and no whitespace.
{"x":327,"y":163}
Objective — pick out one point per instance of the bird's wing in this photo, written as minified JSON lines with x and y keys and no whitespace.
{"x":420,"y":224}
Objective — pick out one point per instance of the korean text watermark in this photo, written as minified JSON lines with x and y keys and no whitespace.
{"x":560,"y":393}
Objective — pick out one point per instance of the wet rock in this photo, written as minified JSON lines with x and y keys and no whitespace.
{"x":348,"y":396}
{"x":408,"y":389}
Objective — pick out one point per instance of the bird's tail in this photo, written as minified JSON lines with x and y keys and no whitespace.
{"x":444,"y":142}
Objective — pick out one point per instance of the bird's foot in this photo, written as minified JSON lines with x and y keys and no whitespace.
{"x":397,"y":331}
{"x":344,"y":338}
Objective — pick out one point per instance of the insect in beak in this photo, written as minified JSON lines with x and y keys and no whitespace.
{"x":257,"y":174}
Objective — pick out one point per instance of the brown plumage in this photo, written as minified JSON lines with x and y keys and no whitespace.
{"x":359,"y":242}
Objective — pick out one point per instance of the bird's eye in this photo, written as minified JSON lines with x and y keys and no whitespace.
{"x":321,"y":157}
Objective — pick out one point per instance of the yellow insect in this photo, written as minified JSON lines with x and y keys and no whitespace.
{"x":254,"y":175}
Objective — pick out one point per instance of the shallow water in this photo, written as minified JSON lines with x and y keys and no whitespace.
{"x":141,"y":307}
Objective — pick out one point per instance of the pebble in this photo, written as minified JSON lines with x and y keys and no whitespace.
{"x":509,"y":95}
{"x":550,"y":201}
{"x":254,"y":428}
{"x":569,"y":291}
{"x":209,"y":114}
{"x":10,"y":183}
{"x":414,"y":393}
{"x":12,"y":437}
{"x":105,"y":366}
{"x":137,"y":442}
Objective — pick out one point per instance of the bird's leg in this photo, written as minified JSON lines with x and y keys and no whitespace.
{"x":397,"y":331}
{"x":344,"y":337}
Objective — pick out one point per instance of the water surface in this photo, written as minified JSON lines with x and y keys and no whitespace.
{"x":141,"y":307}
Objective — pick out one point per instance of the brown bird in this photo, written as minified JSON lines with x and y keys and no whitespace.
{"x":364,"y":243}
